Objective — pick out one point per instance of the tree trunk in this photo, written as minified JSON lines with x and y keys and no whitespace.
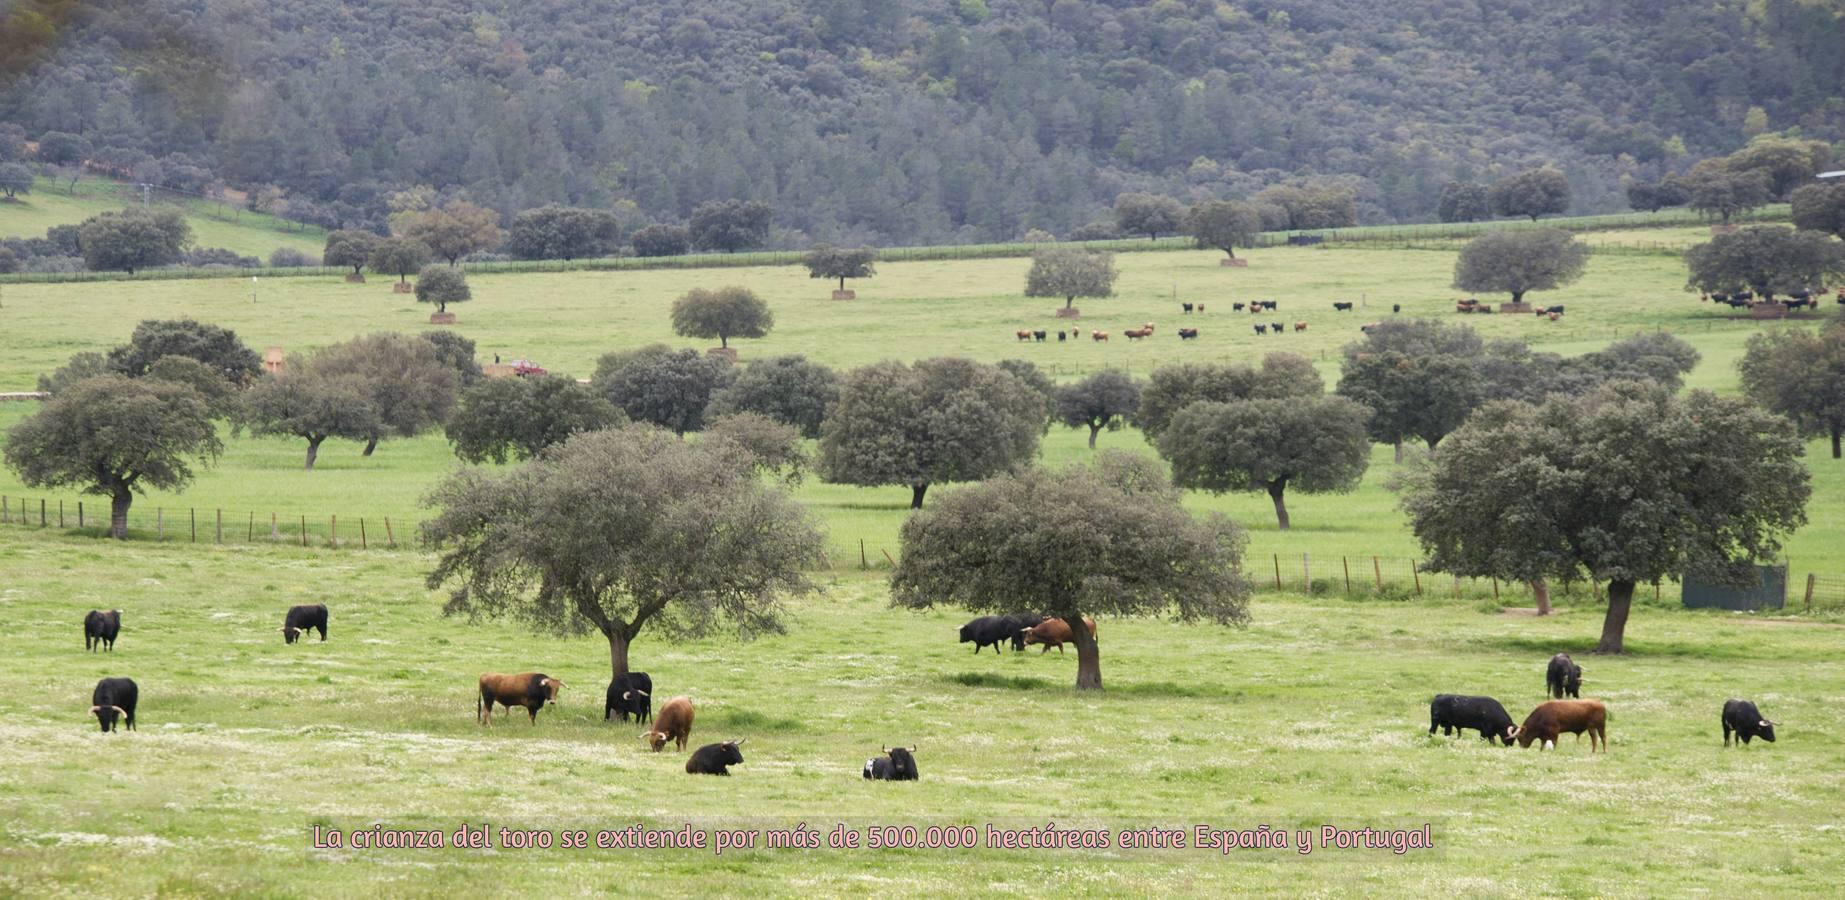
{"x":1518,"y":296}
{"x":118,"y":513}
{"x":723,"y":342}
{"x":1614,"y":627}
{"x":916,"y":495}
{"x":1541,"y":591}
{"x":1433,"y":441}
{"x":1837,"y":432}
{"x":618,"y":651}
{"x":842,"y":282}
{"x":1399,"y":449}
{"x":1069,"y":301}
{"x":1095,"y":429}
{"x":370,"y":445}
{"x":1275,"y":491}
{"x":313,"y":450}
{"x":1229,"y":252}
{"x":1088,"y":656}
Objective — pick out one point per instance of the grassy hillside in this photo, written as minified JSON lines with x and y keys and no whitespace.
{"x":213,"y":224}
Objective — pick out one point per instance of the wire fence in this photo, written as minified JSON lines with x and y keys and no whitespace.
{"x":194,"y":525}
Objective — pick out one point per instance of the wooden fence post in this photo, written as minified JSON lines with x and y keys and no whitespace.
{"x":193,"y":514}
{"x":1306,"y":575}
{"x":60,"y":514}
{"x":249,"y":536}
{"x":275,"y":530}
{"x":80,"y":514}
{"x":1347,"y":566}
{"x":1278,"y":571}
{"x":160,"y":524}
{"x":863,"y":563}
{"x":1379,"y":571}
{"x":362,"y":544}
{"x":41,"y":513}
{"x":1416,"y":575}
{"x":893,"y":563}
{"x":220,"y":532}
{"x":333,"y":531}
{"x":390,"y":540}
{"x":1810,"y":579}
{"x":304,"y":531}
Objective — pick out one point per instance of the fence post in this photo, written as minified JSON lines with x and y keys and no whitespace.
{"x":1379,"y":571}
{"x":1417,"y":576}
{"x":275,"y":530}
{"x":220,"y":538}
{"x":1457,"y":587}
{"x":6,"y":511}
{"x":1810,"y":578}
{"x":1278,"y":571}
{"x":60,"y":514}
{"x":362,"y":545}
{"x":390,"y":540}
{"x":80,"y":514}
{"x":160,"y":524}
{"x":249,"y":536}
{"x":863,"y":563}
{"x":193,"y":515}
{"x":1306,"y":575}
{"x":893,"y":563}
{"x":1348,"y":573}
{"x":304,"y":531}
{"x":333,"y":531}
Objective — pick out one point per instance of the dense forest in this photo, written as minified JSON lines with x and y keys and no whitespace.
{"x":909,"y":121}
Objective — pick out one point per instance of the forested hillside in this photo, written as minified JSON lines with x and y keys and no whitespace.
{"x":910,"y":121}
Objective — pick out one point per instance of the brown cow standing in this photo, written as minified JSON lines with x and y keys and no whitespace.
{"x":674,"y":723}
{"x":1553,"y":717}
{"x":1054,"y":633}
{"x":1024,"y":335}
{"x":1099,"y":335}
{"x":532,"y":690}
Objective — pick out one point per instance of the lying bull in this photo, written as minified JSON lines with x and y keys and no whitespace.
{"x":302,"y":619}
{"x":897,"y":764}
{"x":1454,"y":712}
{"x":1553,"y":717}
{"x":714,"y":759}
{"x":115,"y":698}
{"x":532,"y":690}
{"x":1742,"y":718}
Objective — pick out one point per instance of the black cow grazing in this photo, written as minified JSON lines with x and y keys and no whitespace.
{"x":1186,"y":334}
{"x":100,"y":629}
{"x":1061,"y":335}
{"x":1269,"y":305}
{"x":1563,"y":676}
{"x":1278,"y":327}
{"x":1039,"y":336}
{"x":987,"y":630}
{"x":1745,"y":295}
{"x":1720,"y":298}
{"x":116,"y":697}
{"x":897,"y":764}
{"x":1742,"y":717}
{"x":1558,"y":309}
{"x":1262,"y":329}
{"x":1801,"y":294}
{"x":1342,"y":307}
{"x":714,"y":759}
{"x":1187,"y":307}
{"x":629,"y":695}
{"x":1396,"y":307}
{"x":1454,"y":712}
{"x":1236,"y":307}
{"x":1796,"y":304}
{"x":302,"y":619}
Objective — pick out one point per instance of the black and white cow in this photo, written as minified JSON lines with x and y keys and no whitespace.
{"x":897,"y":764}
{"x":1453,"y":712}
{"x":1741,"y":717}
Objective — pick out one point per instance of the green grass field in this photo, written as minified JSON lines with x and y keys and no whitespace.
{"x":213,"y":224}
{"x":1314,"y":714}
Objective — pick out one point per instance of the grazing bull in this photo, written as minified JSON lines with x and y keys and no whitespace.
{"x":1300,"y":326}
{"x":1019,"y":623}
{"x":100,"y":629}
{"x":532,"y":690}
{"x":1278,"y":327}
{"x":1135,"y":334}
{"x":1023,"y":335}
{"x":1186,"y":334}
{"x":1039,"y":336}
{"x":1558,"y":309}
{"x":1099,"y":335}
{"x":897,"y":764}
{"x":302,"y":619}
{"x":1343,"y":307}
{"x":1054,"y":633}
{"x":1741,"y":717}
{"x":1201,"y":307}
{"x":1187,"y":307}
{"x":673,"y":724}
{"x":1236,"y":307}
{"x":1061,"y":335}
{"x":116,"y":697}
{"x":714,"y":759}
{"x":1553,"y":717}
{"x":630,"y":694}
{"x":1396,"y":307}
{"x":1454,"y":712}
{"x":1563,"y":676}
{"x":986,"y":630}
{"x":1262,"y":329}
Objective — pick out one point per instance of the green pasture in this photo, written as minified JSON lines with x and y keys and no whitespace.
{"x":1316,"y":713}
{"x":213,"y":224}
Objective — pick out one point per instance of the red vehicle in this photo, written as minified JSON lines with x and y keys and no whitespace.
{"x":525,"y":368}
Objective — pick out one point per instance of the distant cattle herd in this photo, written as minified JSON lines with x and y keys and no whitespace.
{"x":114,"y":700}
{"x":1254,"y":308}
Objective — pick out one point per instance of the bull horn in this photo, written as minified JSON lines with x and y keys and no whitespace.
{"x":883,"y":749}
{"x":641,"y":692}
{"x":738,"y":742}
{"x":94,"y":709}
{"x":626,"y":694}
{"x":120,"y":711}
{"x":1764,"y":723}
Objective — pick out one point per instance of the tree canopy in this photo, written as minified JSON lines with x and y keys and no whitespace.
{"x":1516,"y":262}
{"x":1148,"y":214}
{"x":940,"y":420}
{"x":1070,"y":273}
{"x":1224,"y":224}
{"x":501,"y":419}
{"x":15,"y":179}
{"x":1105,"y":399}
{"x":662,"y":240}
{"x":619,"y":530}
{"x":411,"y":387}
{"x":1109,"y":539}
{"x":730,"y":225}
{"x":789,"y":389}
{"x":218,"y":348}
{"x":442,"y":285}
{"x":133,"y":239}
{"x":563,"y":232}
{"x":1717,"y":190}
{"x":827,"y":261}
{"x":1532,"y":193}
{"x":1628,"y":485}
{"x":1801,"y":375}
{"x":115,"y":436}
{"x":312,"y":402}
{"x":350,"y":247}
{"x":1820,"y":207}
{"x":723,"y":313}
{"x":1313,"y":444}
{"x":452,"y":231}
{"x":662,"y":386}
{"x":398,"y":256}
{"x":1171,"y":388}
{"x":1464,"y":201}
{"x":1767,"y":259}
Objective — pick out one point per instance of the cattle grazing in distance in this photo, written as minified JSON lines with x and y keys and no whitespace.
{"x":1039,"y":335}
{"x":986,"y":630}
{"x":630,"y":694}
{"x":897,"y":764}
{"x":1201,"y":307}
{"x":532,"y":690}
{"x":1018,"y":624}
{"x":1135,"y":334}
{"x":1236,"y":307}
{"x":1563,"y":677}
{"x":1023,"y":335}
{"x":115,"y":698}
{"x":1553,"y":717}
{"x":1061,"y":335}
{"x":1300,"y":326}
{"x":674,"y":723}
{"x":100,"y":629}
{"x":1187,"y":307}
{"x":302,"y":619}
{"x":1278,"y":327}
{"x":1454,"y":712}
{"x":1186,"y":334}
{"x":714,"y":759}
{"x":1053,"y":633}
{"x":1099,"y":335}
{"x":1741,"y":717}
{"x":1262,"y":329}
{"x":1343,"y":307}
{"x":1396,"y":307}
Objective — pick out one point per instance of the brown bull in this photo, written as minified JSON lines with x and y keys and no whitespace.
{"x":1553,"y":717}
{"x":1054,"y":633}
{"x":532,"y":690}
{"x":674,"y":723}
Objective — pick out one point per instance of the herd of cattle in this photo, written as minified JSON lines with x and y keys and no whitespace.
{"x":1551,"y":719}
{"x":631,"y":696}
{"x":1146,"y":330}
{"x":1746,"y":299}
